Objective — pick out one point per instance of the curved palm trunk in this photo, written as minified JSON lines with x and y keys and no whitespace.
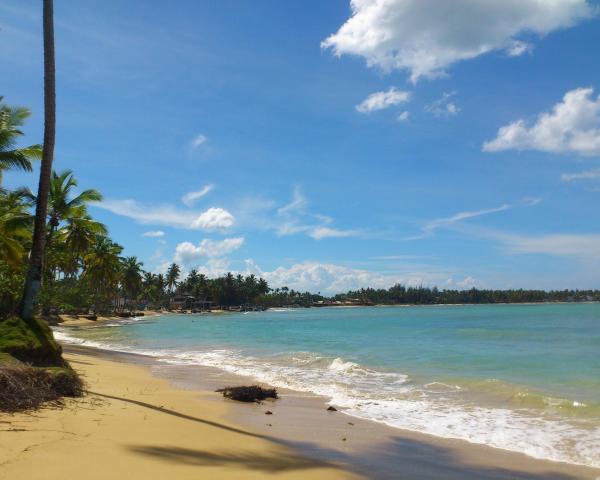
{"x":36,"y":260}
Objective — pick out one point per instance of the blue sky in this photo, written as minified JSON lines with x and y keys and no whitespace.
{"x":325,"y":145}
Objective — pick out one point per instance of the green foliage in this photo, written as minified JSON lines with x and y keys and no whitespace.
{"x":11,"y":118}
{"x":31,"y":343}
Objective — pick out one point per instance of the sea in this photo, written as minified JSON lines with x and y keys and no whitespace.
{"x":518,"y":377}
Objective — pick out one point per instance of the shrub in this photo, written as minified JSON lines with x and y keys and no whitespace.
{"x":31,"y":342}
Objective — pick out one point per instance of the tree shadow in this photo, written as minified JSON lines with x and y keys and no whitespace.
{"x":180,"y":415}
{"x":398,"y":458}
{"x":281,"y":462}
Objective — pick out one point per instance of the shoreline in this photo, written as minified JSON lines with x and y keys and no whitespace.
{"x":300,"y":421}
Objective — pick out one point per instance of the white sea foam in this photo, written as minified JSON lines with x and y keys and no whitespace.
{"x":394,"y":399}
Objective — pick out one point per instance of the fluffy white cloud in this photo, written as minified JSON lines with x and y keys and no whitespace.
{"x":188,"y":254}
{"x":573,"y":126}
{"x":443,"y":107}
{"x":381,"y":100}
{"x":331,"y":278}
{"x":154,"y":233}
{"x":211,"y":219}
{"x":586,"y":175}
{"x":426,"y":36}
{"x":198,"y":140}
{"x":190,"y":197}
{"x":214,"y":218}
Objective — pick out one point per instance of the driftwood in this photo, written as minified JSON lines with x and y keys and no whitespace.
{"x":252,"y":393}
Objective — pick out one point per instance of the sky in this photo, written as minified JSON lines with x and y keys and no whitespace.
{"x":333,"y":145}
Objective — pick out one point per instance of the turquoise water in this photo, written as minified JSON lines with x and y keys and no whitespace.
{"x":519,"y":377}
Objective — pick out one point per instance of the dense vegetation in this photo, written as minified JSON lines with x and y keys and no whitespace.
{"x":399,"y":295}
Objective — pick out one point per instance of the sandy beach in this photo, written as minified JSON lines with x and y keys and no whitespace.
{"x":143,"y":418}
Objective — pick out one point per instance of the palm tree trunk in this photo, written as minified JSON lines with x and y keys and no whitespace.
{"x":36,"y":260}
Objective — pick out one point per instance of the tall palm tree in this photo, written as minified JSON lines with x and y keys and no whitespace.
{"x":36,"y":260}
{"x":11,"y":157}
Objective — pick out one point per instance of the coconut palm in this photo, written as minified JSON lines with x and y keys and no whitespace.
{"x":61,"y":206}
{"x":15,"y":225}
{"x":172,"y":276}
{"x":131,"y":277}
{"x":11,"y":118}
{"x":77,"y":236}
{"x":33,"y":281}
{"x":102,"y":267}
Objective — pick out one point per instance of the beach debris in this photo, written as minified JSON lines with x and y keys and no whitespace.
{"x":24,"y":388}
{"x":268,"y":412}
{"x":332,"y":409}
{"x":252,"y":393}
{"x":269,"y":425}
{"x":344,"y":439}
{"x":351,"y":424}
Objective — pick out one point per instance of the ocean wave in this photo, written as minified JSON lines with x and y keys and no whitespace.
{"x":436,"y":408}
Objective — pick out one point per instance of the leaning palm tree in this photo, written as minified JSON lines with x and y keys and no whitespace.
{"x":11,"y":118}
{"x":33,"y":280}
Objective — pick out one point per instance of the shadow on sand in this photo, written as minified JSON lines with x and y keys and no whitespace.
{"x":400,"y":458}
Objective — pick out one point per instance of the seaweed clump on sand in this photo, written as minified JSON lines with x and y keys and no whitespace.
{"x":24,"y":388}
{"x":252,"y":393}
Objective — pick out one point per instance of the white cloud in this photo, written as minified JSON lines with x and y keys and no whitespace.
{"x":199,"y":140}
{"x":188,"y":254}
{"x":326,"y":232}
{"x":381,"y":100}
{"x":433,"y":225}
{"x":293,"y":218}
{"x":298,"y":203}
{"x":424,"y":37}
{"x":330,"y":278}
{"x":518,"y":48}
{"x":154,"y":233}
{"x":213,"y":218}
{"x":443,"y":107}
{"x":586,"y":175}
{"x":404,"y":116}
{"x":190,"y":197}
{"x":585,"y":246}
{"x":573,"y":126}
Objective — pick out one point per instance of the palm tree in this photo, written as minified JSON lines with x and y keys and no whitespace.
{"x":15,"y":225}
{"x":131,"y":277}
{"x":34,"y":275}
{"x":78,"y":236}
{"x":10,"y":157}
{"x":61,"y":207}
{"x":172,"y":276}
{"x":101,"y":268}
